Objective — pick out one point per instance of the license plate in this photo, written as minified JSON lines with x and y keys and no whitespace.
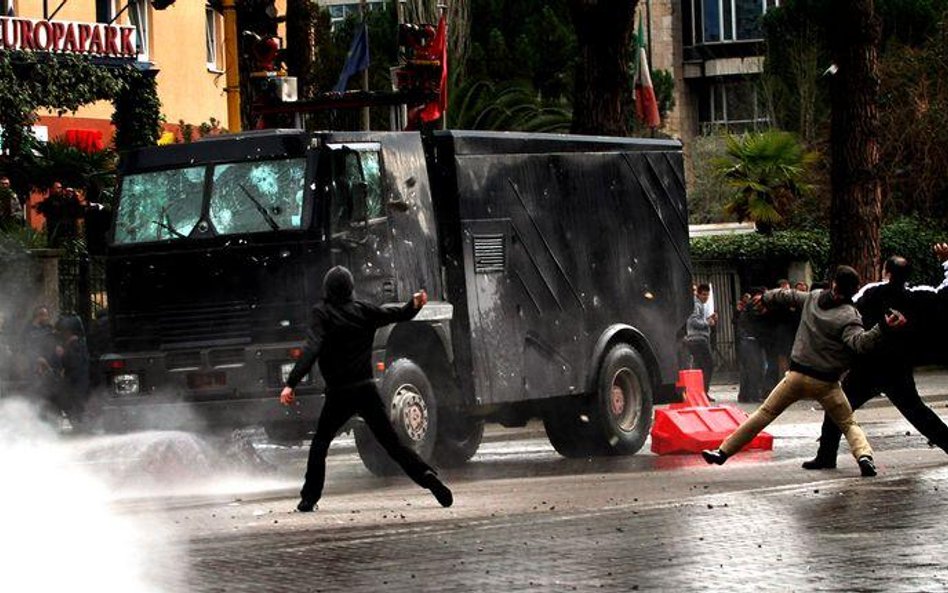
{"x":206,"y":380}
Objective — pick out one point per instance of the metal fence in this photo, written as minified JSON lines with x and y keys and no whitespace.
{"x":82,"y":286}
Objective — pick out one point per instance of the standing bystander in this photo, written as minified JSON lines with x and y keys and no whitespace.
{"x":698,"y":338}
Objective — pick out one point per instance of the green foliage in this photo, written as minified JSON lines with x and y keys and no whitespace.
{"x":93,"y":172}
{"x":810,"y":246}
{"x":137,"y":115}
{"x":63,"y":83}
{"x":766,"y":172}
{"x":913,"y":238}
{"x":909,"y":237}
{"x":529,"y":40}
{"x":483,"y":105}
{"x":15,"y":241}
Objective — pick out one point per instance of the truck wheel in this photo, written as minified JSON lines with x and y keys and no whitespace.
{"x":624,"y":401}
{"x":570,"y":430}
{"x":459,"y":437}
{"x":413,"y":411}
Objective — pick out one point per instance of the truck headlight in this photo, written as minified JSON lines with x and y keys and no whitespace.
{"x":126,"y":384}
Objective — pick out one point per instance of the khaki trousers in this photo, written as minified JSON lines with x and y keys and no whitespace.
{"x":794,"y":387}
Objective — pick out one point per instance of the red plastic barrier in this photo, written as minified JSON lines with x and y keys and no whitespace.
{"x":692,"y":382}
{"x":693,"y":426}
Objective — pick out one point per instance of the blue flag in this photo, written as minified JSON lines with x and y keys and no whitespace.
{"x":357,"y":59}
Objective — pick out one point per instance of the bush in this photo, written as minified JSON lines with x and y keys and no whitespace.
{"x":812,"y":246}
{"x":909,"y":237}
{"x":913,"y":238}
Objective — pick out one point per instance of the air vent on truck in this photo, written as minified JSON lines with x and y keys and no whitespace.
{"x":489,"y":253}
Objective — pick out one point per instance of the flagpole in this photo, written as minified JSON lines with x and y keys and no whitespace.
{"x":363,"y":5}
{"x":442,"y":9}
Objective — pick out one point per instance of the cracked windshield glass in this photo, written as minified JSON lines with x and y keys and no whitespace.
{"x":246,"y":198}
{"x":256,"y":197}
{"x":160,"y":205}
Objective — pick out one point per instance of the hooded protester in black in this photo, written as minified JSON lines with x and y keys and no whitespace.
{"x":341,"y":340}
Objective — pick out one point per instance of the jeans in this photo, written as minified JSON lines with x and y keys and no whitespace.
{"x":340,"y":406}
{"x":702,"y":358}
{"x":794,"y":387}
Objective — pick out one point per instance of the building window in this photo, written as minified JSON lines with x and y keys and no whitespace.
{"x":103,"y":11}
{"x":733,"y":105}
{"x":725,"y":21}
{"x":139,"y":18}
{"x":212,"y":29}
{"x":340,"y":11}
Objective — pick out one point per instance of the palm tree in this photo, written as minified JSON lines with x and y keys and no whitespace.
{"x":509,"y":106}
{"x":767,"y":171}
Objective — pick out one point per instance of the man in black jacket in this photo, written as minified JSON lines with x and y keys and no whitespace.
{"x":889,"y":369}
{"x":341,"y":339}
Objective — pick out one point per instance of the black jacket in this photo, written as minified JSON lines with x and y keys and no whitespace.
{"x":919,"y":340}
{"x":341,"y":339}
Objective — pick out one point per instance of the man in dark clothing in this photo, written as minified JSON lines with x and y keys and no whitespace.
{"x":749,"y":324}
{"x":62,"y":211}
{"x":341,"y":339}
{"x":74,"y":361}
{"x":889,"y":369}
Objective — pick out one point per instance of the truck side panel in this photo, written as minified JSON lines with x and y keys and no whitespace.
{"x":559,"y":246}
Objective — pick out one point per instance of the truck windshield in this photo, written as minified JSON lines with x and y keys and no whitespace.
{"x":244,"y":198}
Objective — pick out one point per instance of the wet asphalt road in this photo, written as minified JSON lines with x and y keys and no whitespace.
{"x":527,"y":520}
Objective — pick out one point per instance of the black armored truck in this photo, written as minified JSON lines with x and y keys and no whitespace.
{"x":557,"y":267}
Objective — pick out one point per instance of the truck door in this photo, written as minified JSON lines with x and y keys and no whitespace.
{"x":358,"y":226}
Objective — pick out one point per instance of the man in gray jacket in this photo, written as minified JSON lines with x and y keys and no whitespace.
{"x":698,"y":338}
{"x":830,"y":335}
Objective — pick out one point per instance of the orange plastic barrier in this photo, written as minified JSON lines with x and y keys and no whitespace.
{"x":696,"y":425}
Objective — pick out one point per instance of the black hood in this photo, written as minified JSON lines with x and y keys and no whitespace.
{"x":338,"y":285}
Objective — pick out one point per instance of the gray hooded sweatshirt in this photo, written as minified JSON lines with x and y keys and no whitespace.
{"x":830,"y":333}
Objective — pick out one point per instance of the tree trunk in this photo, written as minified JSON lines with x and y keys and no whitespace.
{"x":301,"y":45}
{"x":856,"y":210}
{"x":604,"y":38}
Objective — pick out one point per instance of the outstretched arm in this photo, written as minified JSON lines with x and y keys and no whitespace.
{"x":783,"y":297}
{"x":311,"y":351}
{"x":382,"y":316}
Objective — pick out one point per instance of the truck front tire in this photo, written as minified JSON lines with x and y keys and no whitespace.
{"x":410,"y":400}
{"x":459,"y":437}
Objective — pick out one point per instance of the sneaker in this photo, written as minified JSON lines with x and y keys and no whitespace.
{"x":715,"y":456}
{"x":818,"y":463}
{"x":441,"y":492}
{"x":306,"y":506}
{"x":866,"y":466}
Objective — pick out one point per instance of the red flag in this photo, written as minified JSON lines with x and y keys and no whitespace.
{"x":646,"y":105}
{"x":437,"y":108}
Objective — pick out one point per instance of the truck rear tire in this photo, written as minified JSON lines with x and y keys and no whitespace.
{"x":623,"y":410}
{"x":569,"y":428}
{"x":410,"y":400}
{"x":459,"y":437}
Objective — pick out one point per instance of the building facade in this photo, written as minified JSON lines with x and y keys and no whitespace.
{"x":183,"y":43}
{"x":715,"y":51}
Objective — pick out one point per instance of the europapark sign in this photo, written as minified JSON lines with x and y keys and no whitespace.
{"x":94,"y":39}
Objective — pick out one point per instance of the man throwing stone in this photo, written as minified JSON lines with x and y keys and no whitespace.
{"x":341,"y":339}
{"x":830,"y":335}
